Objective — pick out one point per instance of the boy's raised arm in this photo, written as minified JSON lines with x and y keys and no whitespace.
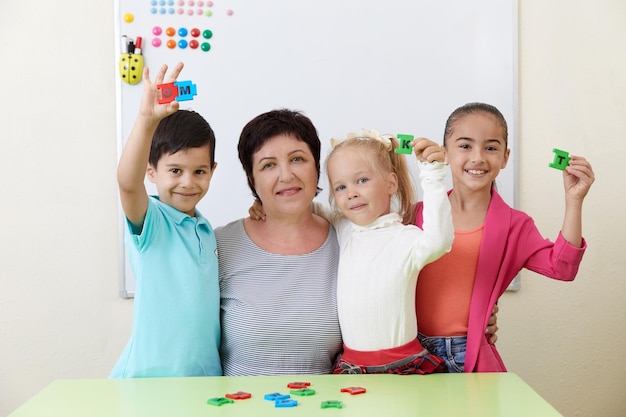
{"x":133,"y":162}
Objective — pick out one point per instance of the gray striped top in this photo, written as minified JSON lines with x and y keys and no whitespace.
{"x":279,"y":312}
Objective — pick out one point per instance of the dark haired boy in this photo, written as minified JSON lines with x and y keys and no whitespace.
{"x":171,"y":246}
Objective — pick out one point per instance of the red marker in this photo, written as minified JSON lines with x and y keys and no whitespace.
{"x":138,"y":45}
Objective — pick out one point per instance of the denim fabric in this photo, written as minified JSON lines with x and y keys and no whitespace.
{"x":450,"y":349}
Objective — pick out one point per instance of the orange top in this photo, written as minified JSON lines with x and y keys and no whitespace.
{"x":444,"y":287}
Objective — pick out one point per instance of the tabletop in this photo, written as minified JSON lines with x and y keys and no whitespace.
{"x":470,"y":394}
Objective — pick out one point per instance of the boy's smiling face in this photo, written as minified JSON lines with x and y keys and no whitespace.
{"x":183,"y":178}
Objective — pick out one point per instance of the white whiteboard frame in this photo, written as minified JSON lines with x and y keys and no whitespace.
{"x":262,"y":32}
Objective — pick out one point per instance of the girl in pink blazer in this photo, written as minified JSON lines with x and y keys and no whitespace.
{"x":493,"y":242}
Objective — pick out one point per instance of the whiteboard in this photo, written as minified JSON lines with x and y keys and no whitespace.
{"x":396,"y":66}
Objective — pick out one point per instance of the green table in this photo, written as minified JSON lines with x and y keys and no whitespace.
{"x":449,"y":395}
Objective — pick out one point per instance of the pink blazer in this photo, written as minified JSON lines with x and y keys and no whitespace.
{"x":510,"y":242}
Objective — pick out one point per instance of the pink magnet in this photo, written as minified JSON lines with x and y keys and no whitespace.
{"x":180,"y":10}
{"x":200,"y":3}
{"x":156,"y":42}
{"x":157,"y":30}
{"x":181,"y":2}
{"x":199,"y":12}
{"x":190,"y":3}
{"x":209,"y":4}
{"x":229,"y":12}
{"x":190,"y":12}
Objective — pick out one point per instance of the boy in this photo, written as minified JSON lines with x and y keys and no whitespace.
{"x":171,"y":246}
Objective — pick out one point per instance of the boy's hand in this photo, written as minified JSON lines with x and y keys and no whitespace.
{"x":578,"y":177}
{"x":256,"y":211}
{"x":428,"y":151}
{"x":150,"y":107}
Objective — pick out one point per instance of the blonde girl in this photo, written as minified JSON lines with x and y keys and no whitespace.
{"x":380,"y":257}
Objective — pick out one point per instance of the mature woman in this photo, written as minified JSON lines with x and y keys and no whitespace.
{"x":278,"y":276}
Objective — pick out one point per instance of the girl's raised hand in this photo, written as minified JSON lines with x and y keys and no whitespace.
{"x":150,"y":106}
{"x":578,"y":177}
{"x":428,"y":151}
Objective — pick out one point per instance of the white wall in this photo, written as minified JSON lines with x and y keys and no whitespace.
{"x":567,"y":340}
{"x":61,"y":317}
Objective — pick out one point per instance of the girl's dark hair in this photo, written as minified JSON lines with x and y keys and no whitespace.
{"x":179,"y":131}
{"x":473,"y":108}
{"x":273,"y":123}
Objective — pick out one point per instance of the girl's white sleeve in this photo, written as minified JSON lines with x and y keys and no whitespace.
{"x":437,"y":226}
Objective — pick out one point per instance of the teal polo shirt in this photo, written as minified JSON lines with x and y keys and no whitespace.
{"x":176,"y":316}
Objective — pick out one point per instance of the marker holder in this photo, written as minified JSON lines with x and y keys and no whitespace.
{"x":131,"y":67}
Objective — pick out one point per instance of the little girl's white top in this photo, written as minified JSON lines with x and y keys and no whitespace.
{"x":379,"y":264}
